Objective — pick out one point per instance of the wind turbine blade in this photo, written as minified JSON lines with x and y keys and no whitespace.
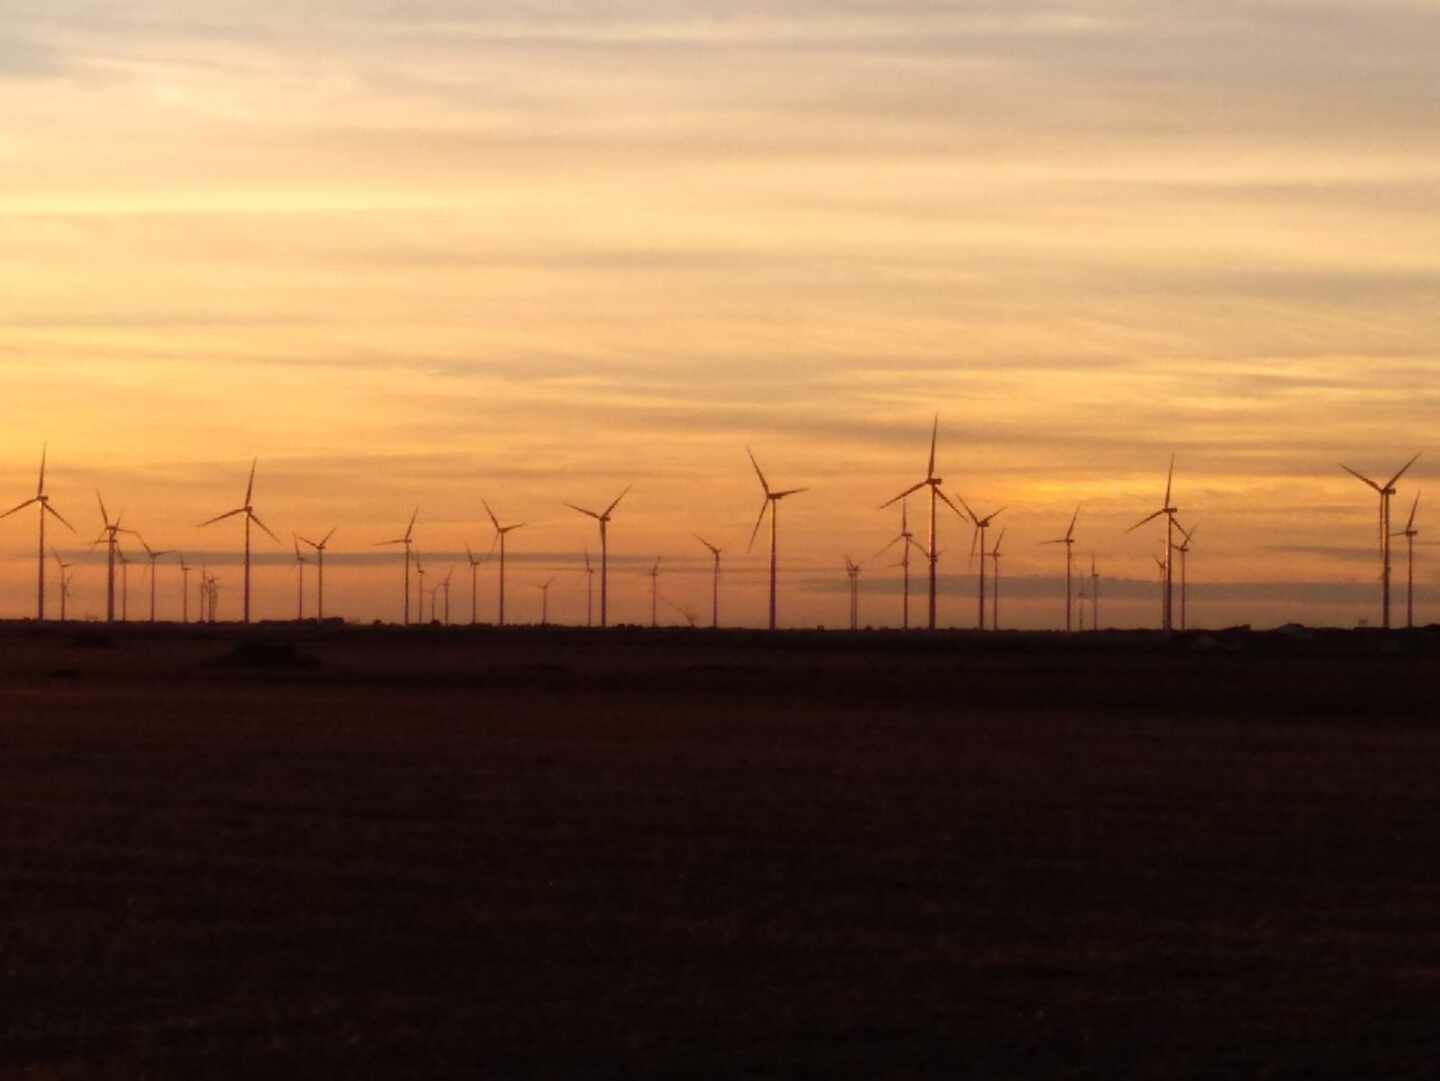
{"x":250,"y":486}
{"x":946,"y":500}
{"x":51,"y":510}
{"x":217,"y":518}
{"x":1142,"y":521}
{"x":1404,"y":469}
{"x":934,"y":434}
{"x":326,"y":538}
{"x":104,"y":517}
{"x":1360,"y":476}
{"x":490,"y":512}
{"x":974,"y":518}
{"x":256,"y":519}
{"x":410,"y":528}
{"x":1413,"y":507}
{"x":40,"y":488}
{"x":887,"y":548}
{"x":902,"y":495}
{"x":763,"y":483}
{"x":1170,"y":476}
{"x":996,"y":514}
{"x":995,"y":551}
{"x":582,"y":510}
{"x":763,"y":508}
{"x":469,"y":555}
{"x":787,"y":491}
{"x":974,"y":537}
{"x":20,"y":507}
{"x":305,"y":540}
{"x":615,"y":504}
{"x":1071,"y":531}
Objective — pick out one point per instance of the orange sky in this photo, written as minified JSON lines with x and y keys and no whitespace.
{"x":425,"y":256}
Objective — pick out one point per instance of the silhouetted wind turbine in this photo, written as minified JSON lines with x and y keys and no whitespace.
{"x":1068,"y":540}
{"x":1184,"y":549}
{"x":932,"y":482}
{"x":772,"y":500}
{"x":1409,"y":533}
{"x":905,"y":539}
{"x":420,"y":586}
{"x":589,"y":591}
{"x":153,"y":556}
{"x":124,"y":584}
{"x":407,"y":540}
{"x":300,"y":562}
{"x":474,"y":563}
{"x":981,"y":524}
{"x":995,"y":591}
{"x":604,"y":519}
{"x":500,"y":534}
{"x":64,"y":582}
{"x":1168,"y":510}
{"x":1385,"y":491}
{"x":110,"y":536}
{"x":248,"y":512}
{"x":1082,"y":595}
{"x":319,"y":547}
{"x":43,"y":502}
{"x":852,"y":571}
{"x":1094,"y":595}
{"x":449,"y":574}
{"x":654,"y":573}
{"x":185,"y":569}
{"x":714,"y":581}
{"x":545,"y":601}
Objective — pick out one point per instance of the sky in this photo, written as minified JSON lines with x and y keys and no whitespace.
{"x":429,"y":253}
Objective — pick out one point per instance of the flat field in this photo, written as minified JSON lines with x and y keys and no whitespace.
{"x":359,"y":852}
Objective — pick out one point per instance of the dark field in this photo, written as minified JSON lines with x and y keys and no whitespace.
{"x":530,"y":854}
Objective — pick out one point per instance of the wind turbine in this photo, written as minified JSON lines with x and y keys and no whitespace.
{"x":589,"y":591}
{"x":248,"y":512}
{"x":64,"y":582}
{"x":152,"y":556}
{"x":1385,"y":491}
{"x":185,"y":570}
{"x":1409,"y":533}
{"x":1082,"y":595}
{"x":905,"y":539}
{"x":110,"y":535}
{"x":604,"y":519}
{"x":932,"y":482}
{"x":1068,"y":540}
{"x":1094,"y":595}
{"x":212,"y":592}
{"x":1184,"y":549}
{"x":407,"y":540}
{"x":995,"y":591}
{"x":319,"y":547}
{"x":545,"y":601}
{"x":420,"y":587}
{"x":852,"y":570}
{"x":981,"y":524}
{"x":474,"y":563}
{"x":500,"y":533}
{"x":654,"y":573}
{"x":124,"y":584}
{"x":449,"y":574}
{"x":300,"y":562}
{"x":772,"y":500}
{"x":204,"y":593}
{"x":43,"y":501}
{"x":714,"y":582}
{"x":1168,"y":510}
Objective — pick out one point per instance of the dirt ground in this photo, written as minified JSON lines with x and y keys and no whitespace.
{"x":366,"y":852}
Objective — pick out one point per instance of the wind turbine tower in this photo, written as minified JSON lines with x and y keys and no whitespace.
{"x":408,"y":540}
{"x":319,"y":547}
{"x":772,"y":500}
{"x":110,"y":535}
{"x":41,"y":500}
{"x":153,"y":557}
{"x":185,"y":570}
{"x":852,"y":571}
{"x":906,"y":540}
{"x":654,"y":573}
{"x":1409,"y":533}
{"x":1184,"y":549}
{"x":545,"y":601}
{"x":1169,"y":511}
{"x":714,"y":582}
{"x":981,"y":524}
{"x":64,"y":581}
{"x":474,"y":564}
{"x":995,"y":591}
{"x":500,"y":533}
{"x":604,"y":519}
{"x":300,"y":562}
{"x":1385,"y":491}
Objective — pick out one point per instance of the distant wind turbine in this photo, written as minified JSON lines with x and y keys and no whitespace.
{"x":589,"y":591}
{"x":1068,"y":540}
{"x":1385,"y":491}
{"x":771,"y":504}
{"x":544,"y":589}
{"x":420,"y":587}
{"x":1168,"y":510}
{"x":319,"y":547}
{"x":1094,"y":595}
{"x":1184,"y":549}
{"x":995,"y":591}
{"x":500,"y":534}
{"x":1409,"y":533}
{"x":185,"y":570}
{"x":445,"y":585}
{"x":474,"y":564}
{"x":654,"y":573}
{"x":980,"y":524}
{"x":408,"y":541}
{"x":906,"y":540}
{"x":932,"y":482}
{"x":300,"y":562}
{"x":41,"y":500}
{"x":604,"y":519}
{"x":153,"y":556}
{"x":110,"y":535}
{"x":124,"y":584}
{"x":714,"y":581}
{"x":248,"y":512}
{"x":64,"y":581}
{"x":852,"y":571}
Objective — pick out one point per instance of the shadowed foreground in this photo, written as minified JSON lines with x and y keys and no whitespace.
{"x":558,"y":855}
